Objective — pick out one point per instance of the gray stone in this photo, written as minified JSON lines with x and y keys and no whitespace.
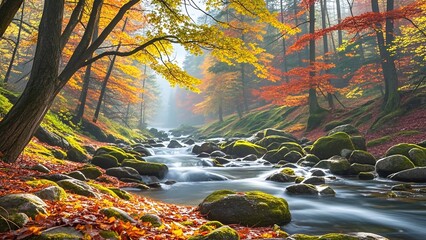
{"x":366,"y":176}
{"x":174,"y":144}
{"x":418,"y":157}
{"x":337,"y":165}
{"x":217,"y":153}
{"x":123,"y":172}
{"x":153,"y":219}
{"x":302,"y":189}
{"x":59,"y":233}
{"x":292,"y":157}
{"x":417,"y":174}
{"x":314,"y":180}
{"x":41,"y":168}
{"x":326,"y":191}
{"x":317,"y":172}
{"x":362,"y":157}
{"x":56,"y":177}
{"x":77,"y":175}
{"x":356,"y":168}
{"x":393,"y":164}
{"x":346,"y":128}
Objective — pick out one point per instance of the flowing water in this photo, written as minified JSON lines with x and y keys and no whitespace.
{"x":359,"y":206}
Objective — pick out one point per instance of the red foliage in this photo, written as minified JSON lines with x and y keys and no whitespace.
{"x":362,"y":22}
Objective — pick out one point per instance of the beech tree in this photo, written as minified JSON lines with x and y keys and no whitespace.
{"x":170,"y":24}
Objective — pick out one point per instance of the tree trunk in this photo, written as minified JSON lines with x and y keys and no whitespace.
{"x":220,"y":110}
{"x":339,"y":20}
{"x":392,"y":98}
{"x":86,"y":81}
{"x":15,"y":49}
{"x":325,"y":46}
{"x":313,"y":101}
{"x":21,"y":122}
{"x":285,"y":68}
{"x":8,"y":9}
{"x":143,"y":106}
{"x":296,"y":23}
{"x":105,"y":82}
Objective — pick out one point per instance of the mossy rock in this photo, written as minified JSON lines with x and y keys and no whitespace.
{"x":77,"y":175}
{"x":266,"y":141}
{"x":357,"y":168}
{"x":326,"y":147}
{"x":91,"y":172}
{"x":242,"y":148}
{"x":210,"y":226}
{"x":418,"y":157}
{"x":78,"y":187}
{"x":41,"y":182}
{"x":118,"y":214}
{"x":249,"y":209}
{"x":105,"y":161}
{"x":378,"y":141}
{"x":110,"y":235}
{"x":292,"y":157}
{"x":121,"y":193}
{"x":339,"y":236}
{"x":393,"y":164}
{"x":12,"y":221}
{"x":146,"y":168}
{"x":108,"y":149}
{"x":362,"y":157}
{"x":292,"y":146}
{"x":417,"y":174}
{"x":77,"y":154}
{"x":153,"y":219}
{"x":403,"y":149}
{"x":271,"y":131}
{"x":221,"y":233}
{"x":26,"y":203}
{"x":366,"y":176}
{"x":337,"y":165}
{"x":41,"y":168}
{"x":60,"y":233}
{"x":52,"y":193}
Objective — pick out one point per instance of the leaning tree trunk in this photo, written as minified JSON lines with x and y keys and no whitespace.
{"x":15,"y":49}
{"x":21,"y":122}
{"x":8,"y":9}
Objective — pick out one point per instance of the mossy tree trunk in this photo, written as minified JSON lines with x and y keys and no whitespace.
{"x":22,"y":121}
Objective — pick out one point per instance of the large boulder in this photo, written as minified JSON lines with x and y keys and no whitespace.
{"x":326,"y":147}
{"x":308,"y":161}
{"x":91,"y":172}
{"x":105,"y":161}
{"x":77,"y":154}
{"x":208,"y":147}
{"x":275,"y":132}
{"x":242,"y":148}
{"x":357,"y":168}
{"x":417,"y":174}
{"x":292,"y":157}
{"x":26,"y":203}
{"x":393,"y":164}
{"x":346,"y":128}
{"x":248,"y":209}
{"x":117,"y":152}
{"x":266,"y":141}
{"x":146,"y":168}
{"x":52,"y":193}
{"x":285,"y":175}
{"x":362,"y":157}
{"x":78,"y":187}
{"x":337,"y":165}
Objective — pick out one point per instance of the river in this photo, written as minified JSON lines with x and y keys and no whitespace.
{"x":358,"y":206}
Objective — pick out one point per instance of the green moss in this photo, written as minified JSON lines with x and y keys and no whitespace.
{"x":222,"y":233}
{"x":303,"y":237}
{"x":288,"y":171}
{"x":403,"y":149}
{"x":364,"y":119}
{"x":337,"y":236}
{"x":210,"y":226}
{"x":41,"y":182}
{"x":266,"y":141}
{"x":292,"y":146}
{"x":333,"y":124}
{"x":91,"y":172}
{"x":315,"y":120}
{"x":121,"y":193}
{"x":378,"y":141}
{"x":77,"y":187}
{"x":153,"y":219}
{"x":147,"y":168}
{"x":109,"y":235}
{"x":299,"y":179}
{"x":217,"y":195}
{"x":103,"y":189}
{"x":243,"y":148}
{"x":12,"y":222}
{"x":117,"y":213}
{"x":328,"y":146}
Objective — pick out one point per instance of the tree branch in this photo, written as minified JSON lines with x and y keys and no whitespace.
{"x":74,"y":19}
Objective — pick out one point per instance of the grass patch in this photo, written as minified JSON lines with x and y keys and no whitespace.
{"x":378,"y":141}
